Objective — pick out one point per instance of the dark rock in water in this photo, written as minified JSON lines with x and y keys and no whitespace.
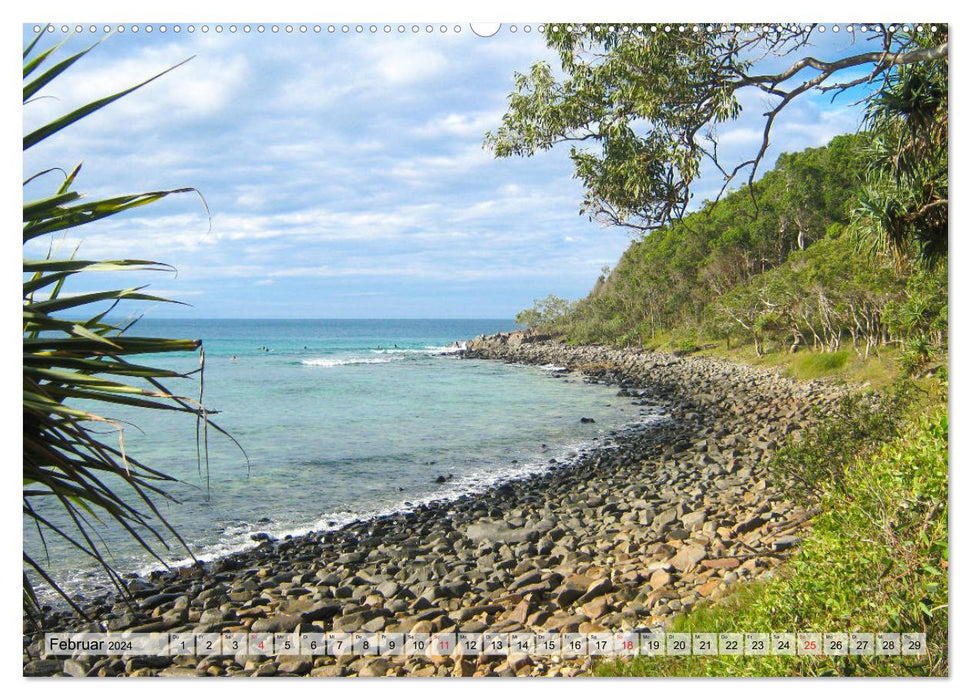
{"x":441,"y":478}
{"x":264,"y":520}
{"x":260,"y":537}
{"x":587,"y":420}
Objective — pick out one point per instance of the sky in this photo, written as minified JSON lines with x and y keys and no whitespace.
{"x":344,"y":173}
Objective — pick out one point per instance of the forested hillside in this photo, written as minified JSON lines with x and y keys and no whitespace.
{"x":779,"y":267}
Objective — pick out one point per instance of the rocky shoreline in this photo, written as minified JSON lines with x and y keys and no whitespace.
{"x":623,"y":537}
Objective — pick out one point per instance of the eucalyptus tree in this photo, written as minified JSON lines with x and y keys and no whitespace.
{"x":640,"y":107}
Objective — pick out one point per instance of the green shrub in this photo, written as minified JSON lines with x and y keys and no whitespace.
{"x":818,"y":459}
{"x":876,"y":560}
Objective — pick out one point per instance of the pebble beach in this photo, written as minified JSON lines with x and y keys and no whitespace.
{"x":664,"y":516}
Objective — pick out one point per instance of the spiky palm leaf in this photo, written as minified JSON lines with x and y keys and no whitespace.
{"x":904,"y":200}
{"x":67,"y":462}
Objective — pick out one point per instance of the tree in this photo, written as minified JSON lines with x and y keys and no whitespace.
{"x":648,"y":99}
{"x":543,"y":311}
{"x":904,"y":203}
{"x":78,"y":365}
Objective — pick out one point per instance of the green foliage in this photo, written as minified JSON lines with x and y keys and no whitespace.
{"x":818,"y":298}
{"x":637,"y":78}
{"x":640,"y":107}
{"x":78,"y":365}
{"x":820,"y":364}
{"x":725,"y":273}
{"x":904,"y":203}
{"x":543,"y":311}
{"x":817,"y":461}
{"x":875,"y":560}
{"x":919,"y":317}
{"x":670,"y":279}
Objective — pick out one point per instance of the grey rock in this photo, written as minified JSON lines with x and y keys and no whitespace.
{"x":688,"y":556}
{"x":297,"y":665}
{"x":75,"y":668}
{"x":351,"y":558}
{"x":500,"y":532}
{"x":596,"y":589}
{"x":182,"y":672}
{"x":665,"y":518}
{"x":787,"y":542}
{"x":42,"y":667}
{"x":695,"y":519}
{"x":750,"y":524}
{"x":323,"y":611}
{"x":388,"y":589}
{"x":277,"y":623}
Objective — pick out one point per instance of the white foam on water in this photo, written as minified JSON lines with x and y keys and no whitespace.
{"x":451,"y":349}
{"x":330,"y":362}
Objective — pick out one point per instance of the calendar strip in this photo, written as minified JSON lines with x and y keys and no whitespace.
{"x":339,"y":644}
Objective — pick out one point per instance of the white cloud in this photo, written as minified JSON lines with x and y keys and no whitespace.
{"x":337,"y":162}
{"x":470,"y":125}
{"x":740,"y":136}
{"x":405,"y":63}
{"x":199,"y":88}
{"x":426,"y":168}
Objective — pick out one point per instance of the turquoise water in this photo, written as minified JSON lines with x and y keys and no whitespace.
{"x":340,"y":420}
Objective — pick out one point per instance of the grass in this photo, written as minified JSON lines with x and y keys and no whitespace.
{"x":819,"y":364}
{"x":876,"y":560}
{"x":879,"y":370}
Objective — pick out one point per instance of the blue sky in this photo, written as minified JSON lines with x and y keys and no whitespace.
{"x":345,"y":173}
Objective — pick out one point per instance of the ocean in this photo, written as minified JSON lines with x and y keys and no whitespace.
{"x":340,"y":420}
